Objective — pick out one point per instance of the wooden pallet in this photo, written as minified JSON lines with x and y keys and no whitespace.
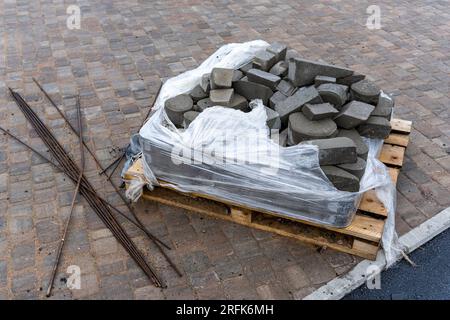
{"x":362,"y":238}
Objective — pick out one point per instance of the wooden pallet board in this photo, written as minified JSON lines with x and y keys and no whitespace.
{"x":362,"y":237}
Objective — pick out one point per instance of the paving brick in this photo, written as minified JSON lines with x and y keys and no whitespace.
{"x":196,"y":262}
{"x":24,"y":284}
{"x":295,"y":278}
{"x":317,"y":269}
{"x":3,"y":273}
{"x":272,"y":292}
{"x":303,"y":72}
{"x":180,"y":293}
{"x":295,"y":102}
{"x":149,"y":293}
{"x":319,"y":111}
{"x":23,"y":256}
{"x":353,"y":114}
{"x":221,"y":78}
{"x":240,"y":288}
{"x":265,"y":78}
{"x":365,"y":91}
{"x":302,"y":129}
{"x":341,"y":179}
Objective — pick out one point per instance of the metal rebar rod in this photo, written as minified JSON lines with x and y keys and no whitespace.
{"x":110,"y":165}
{"x":75,"y":193}
{"x":152,"y":237}
{"x":102,"y":211}
{"x":157,"y":242}
{"x":115,"y":166}
{"x":142,"y":123}
{"x":62,"y":115}
{"x":57,"y":166}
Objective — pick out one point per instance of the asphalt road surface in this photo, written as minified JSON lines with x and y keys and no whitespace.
{"x":429,"y":280}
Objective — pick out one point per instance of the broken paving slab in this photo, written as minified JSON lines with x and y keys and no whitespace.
{"x":221,"y":78}
{"x":275,"y":98}
{"x":341,"y":179}
{"x":203,"y":104}
{"x":336,"y":94}
{"x":279,"y":50}
{"x":264,"y":60}
{"x":264,"y":78}
{"x":375,"y":127}
{"x":361,"y":147}
{"x":365,"y":91}
{"x":384,"y":106}
{"x":198,"y":93}
{"x":176,"y":106}
{"x":318,"y":80}
{"x":286,"y":87}
{"x":252,"y":90}
{"x":334,"y":151}
{"x":279,"y":69}
{"x":302,"y":129}
{"x":221,"y":97}
{"x":295,"y":102}
{"x":357,"y":169}
{"x":273,"y":119}
{"x":246,"y":67}
{"x":319,"y":111}
{"x":353,"y":114}
{"x":303,"y":72}
{"x":189,"y":117}
{"x":239,"y":102}
{"x":351,"y":79}
{"x":291,"y":53}
{"x":237,"y":75}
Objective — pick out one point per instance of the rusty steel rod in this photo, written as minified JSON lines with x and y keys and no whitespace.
{"x":62,"y":115}
{"x":67,"y":162}
{"x":149,"y":235}
{"x":57,"y":166}
{"x":155,"y":240}
{"x":102,"y":210}
{"x":75,"y":193}
{"x":110,"y":165}
{"x":142,"y":123}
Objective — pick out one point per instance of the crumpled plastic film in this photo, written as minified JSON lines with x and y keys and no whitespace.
{"x":229,"y":154}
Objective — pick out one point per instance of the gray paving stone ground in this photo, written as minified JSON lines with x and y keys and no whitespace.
{"x":116,"y":60}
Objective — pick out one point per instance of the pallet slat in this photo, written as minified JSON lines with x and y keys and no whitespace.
{"x":403,"y":126}
{"x":392,"y":155}
{"x":398,"y":139}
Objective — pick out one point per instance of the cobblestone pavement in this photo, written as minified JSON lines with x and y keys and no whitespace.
{"x":116,"y":62}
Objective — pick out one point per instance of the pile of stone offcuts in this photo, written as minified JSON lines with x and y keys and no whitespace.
{"x":309,"y":102}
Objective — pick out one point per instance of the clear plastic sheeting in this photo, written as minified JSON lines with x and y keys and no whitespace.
{"x":232,"y":155}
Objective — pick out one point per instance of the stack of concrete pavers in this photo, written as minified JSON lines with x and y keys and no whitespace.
{"x":309,"y":102}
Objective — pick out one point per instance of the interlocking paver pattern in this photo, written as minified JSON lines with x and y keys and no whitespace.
{"x":115,"y":62}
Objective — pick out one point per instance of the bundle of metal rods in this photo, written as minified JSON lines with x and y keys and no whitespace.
{"x":87,"y":191}
{"x":159,"y":244}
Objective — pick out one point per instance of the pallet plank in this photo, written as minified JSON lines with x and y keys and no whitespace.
{"x":400,"y":125}
{"x":365,"y":227}
{"x":392,"y":155}
{"x":371,"y":203}
{"x":398,"y":139}
{"x":394,"y":172}
{"x":365,"y":250}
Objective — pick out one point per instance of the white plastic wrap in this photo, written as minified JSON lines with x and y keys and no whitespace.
{"x":228,"y":154}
